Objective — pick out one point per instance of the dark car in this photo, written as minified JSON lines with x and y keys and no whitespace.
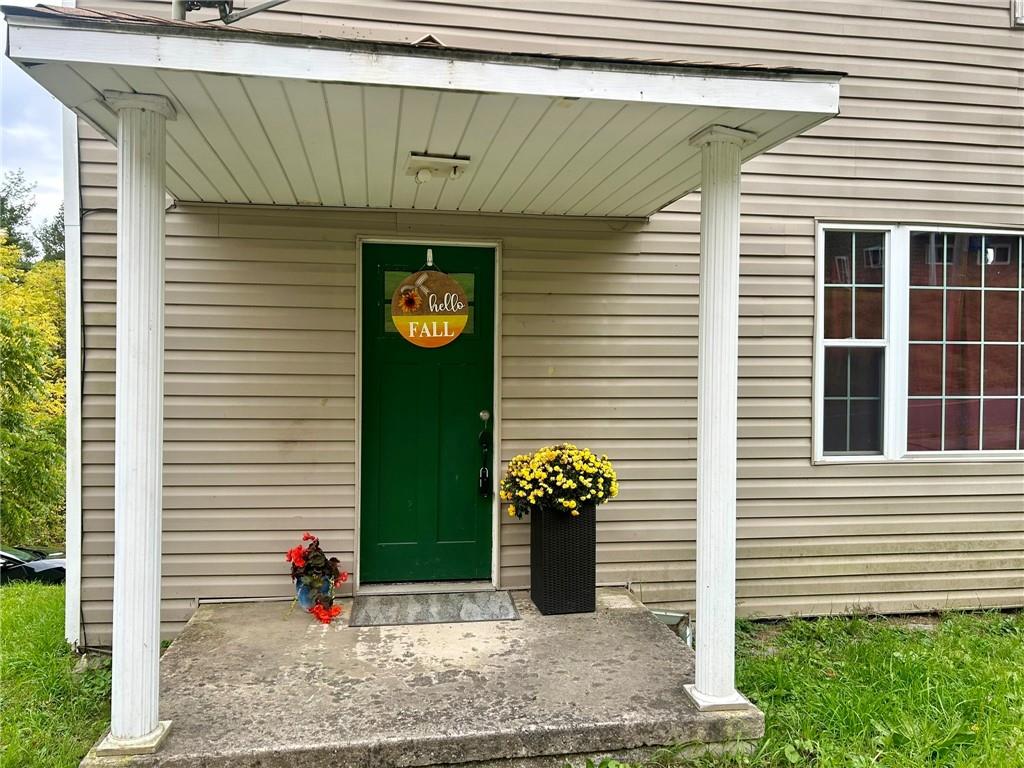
{"x":31,"y":564}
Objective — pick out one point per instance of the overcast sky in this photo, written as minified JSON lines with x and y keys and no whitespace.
{"x":30,"y":131}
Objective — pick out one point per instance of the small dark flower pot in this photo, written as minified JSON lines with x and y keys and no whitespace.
{"x":563,"y":560}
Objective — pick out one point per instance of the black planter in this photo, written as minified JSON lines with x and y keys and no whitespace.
{"x":563,"y":560}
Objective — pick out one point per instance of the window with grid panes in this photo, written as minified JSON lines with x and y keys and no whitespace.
{"x":854,"y":328}
{"x":963,"y":362}
{"x":924,"y":324}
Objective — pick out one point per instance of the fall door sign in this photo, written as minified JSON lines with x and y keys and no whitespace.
{"x":429,"y":309}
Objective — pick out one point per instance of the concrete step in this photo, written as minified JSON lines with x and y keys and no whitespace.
{"x":255,"y":685}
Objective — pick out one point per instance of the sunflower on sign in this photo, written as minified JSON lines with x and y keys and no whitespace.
{"x":410,"y":300}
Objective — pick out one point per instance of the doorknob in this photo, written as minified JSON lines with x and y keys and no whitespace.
{"x":484,"y":440}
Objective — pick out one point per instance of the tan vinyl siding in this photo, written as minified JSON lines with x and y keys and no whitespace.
{"x":599,"y":324}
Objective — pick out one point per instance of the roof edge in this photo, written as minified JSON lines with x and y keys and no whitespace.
{"x":73,"y":18}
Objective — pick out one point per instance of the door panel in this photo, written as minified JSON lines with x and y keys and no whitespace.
{"x":422,"y":517}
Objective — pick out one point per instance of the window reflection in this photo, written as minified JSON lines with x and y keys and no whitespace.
{"x":964,"y":361}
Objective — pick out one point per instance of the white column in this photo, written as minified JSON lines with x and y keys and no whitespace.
{"x":72,"y":380}
{"x":717,"y":386}
{"x":135,"y":727}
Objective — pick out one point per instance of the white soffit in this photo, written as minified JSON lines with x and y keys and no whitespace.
{"x":268,"y":119}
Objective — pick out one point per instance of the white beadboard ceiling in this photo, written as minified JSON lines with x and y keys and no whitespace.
{"x":277,"y":131}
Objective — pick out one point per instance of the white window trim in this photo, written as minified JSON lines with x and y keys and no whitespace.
{"x":895,"y":343}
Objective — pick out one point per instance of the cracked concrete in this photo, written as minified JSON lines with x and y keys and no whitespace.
{"x":258,"y":685}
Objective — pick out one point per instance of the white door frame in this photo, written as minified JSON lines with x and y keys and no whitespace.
{"x":426,"y":240}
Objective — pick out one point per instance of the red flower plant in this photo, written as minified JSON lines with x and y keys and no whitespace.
{"x":296,"y":556}
{"x":313,"y":569}
{"x":325,"y":615}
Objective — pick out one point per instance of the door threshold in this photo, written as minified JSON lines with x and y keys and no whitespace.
{"x":425,"y":587}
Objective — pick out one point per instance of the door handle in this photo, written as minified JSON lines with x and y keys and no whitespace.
{"x":484,"y":440}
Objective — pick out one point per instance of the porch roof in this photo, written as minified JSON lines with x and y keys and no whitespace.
{"x":303,"y":120}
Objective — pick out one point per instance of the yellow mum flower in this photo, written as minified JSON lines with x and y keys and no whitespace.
{"x":557,"y":476}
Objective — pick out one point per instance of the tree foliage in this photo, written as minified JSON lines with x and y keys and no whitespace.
{"x":16,"y":204}
{"x":31,"y":398}
{"x":51,"y":237}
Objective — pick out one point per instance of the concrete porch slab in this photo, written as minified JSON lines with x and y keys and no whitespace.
{"x":257,"y":685}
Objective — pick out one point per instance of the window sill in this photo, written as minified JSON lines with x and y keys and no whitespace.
{"x":963,"y":457}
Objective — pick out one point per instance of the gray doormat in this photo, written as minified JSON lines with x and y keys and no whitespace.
{"x":438,"y":608}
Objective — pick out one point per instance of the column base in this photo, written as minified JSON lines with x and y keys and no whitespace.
{"x":145,"y":745}
{"x":705,"y":703}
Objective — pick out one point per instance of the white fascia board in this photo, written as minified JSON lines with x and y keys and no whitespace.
{"x":35,"y":40}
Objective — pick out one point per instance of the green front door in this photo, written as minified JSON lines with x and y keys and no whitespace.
{"x":423,"y":516}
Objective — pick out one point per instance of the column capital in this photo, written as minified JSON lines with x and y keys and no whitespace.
{"x":721,"y":133}
{"x":120,"y":100}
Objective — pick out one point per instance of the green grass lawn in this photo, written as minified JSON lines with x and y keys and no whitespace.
{"x":859,"y":692}
{"x":837,"y":692}
{"x":49,"y":715}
